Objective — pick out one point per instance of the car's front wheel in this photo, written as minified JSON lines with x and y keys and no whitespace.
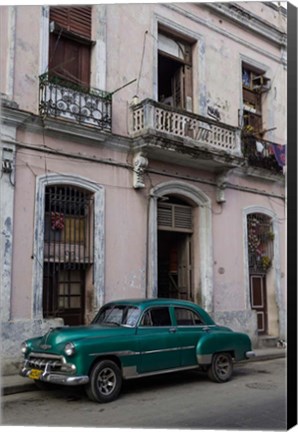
{"x":221,"y":368}
{"x":105,"y":382}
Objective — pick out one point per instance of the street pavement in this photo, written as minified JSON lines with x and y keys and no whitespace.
{"x":11,"y":384}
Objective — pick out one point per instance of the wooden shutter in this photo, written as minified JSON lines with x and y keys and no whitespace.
{"x":182,"y":87}
{"x":73,"y":19}
{"x":70,"y":50}
{"x":178,"y":87}
{"x":174,"y":217}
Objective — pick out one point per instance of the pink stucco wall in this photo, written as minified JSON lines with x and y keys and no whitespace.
{"x":131,"y":54}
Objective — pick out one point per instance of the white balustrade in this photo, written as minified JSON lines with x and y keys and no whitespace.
{"x":200,"y":132}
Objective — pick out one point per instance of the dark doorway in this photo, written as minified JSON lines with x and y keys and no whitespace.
{"x":174,"y":265}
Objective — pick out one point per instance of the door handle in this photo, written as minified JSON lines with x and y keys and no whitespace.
{"x":172,"y":330}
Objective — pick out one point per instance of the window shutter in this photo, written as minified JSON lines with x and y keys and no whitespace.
{"x":73,"y":19}
{"x":173,"y":217}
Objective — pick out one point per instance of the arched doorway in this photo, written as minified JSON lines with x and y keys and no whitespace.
{"x":199,"y":239}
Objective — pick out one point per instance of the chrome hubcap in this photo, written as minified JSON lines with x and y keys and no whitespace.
{"x":106,"y":381}
{"x":222,"y":366}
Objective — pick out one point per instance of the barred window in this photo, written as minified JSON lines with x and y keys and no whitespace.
{"x":68,"y":251}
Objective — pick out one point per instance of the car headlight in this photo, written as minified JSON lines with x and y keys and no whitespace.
{"x":24,"y":347}
{"x":69,"y":349}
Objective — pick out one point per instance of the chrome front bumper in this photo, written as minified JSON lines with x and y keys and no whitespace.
{"x":57,"y":378}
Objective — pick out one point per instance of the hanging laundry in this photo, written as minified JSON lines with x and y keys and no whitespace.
{"x":279,"y":153}
{"x":259,"y":147}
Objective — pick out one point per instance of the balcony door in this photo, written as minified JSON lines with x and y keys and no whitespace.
{"x":174,"y":71}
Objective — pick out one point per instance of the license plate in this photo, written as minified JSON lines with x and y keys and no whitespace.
{"x":35,"y":374}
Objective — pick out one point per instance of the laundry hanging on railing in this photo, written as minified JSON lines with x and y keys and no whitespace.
{"x":279,"y":153}
{"x":277,"y":150}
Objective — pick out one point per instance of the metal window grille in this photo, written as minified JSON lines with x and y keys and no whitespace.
{"x":68,"y":248}
{"x":260,"y":242}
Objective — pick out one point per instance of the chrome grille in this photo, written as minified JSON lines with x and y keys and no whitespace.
{"x":45,"y":361}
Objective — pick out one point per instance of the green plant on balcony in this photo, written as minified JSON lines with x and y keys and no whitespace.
{"x":47,"y":78}
{"x":248,"y":130}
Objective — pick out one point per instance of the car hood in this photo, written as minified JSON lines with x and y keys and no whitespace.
{"x":59,"y":335}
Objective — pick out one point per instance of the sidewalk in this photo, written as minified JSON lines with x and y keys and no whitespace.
{"x":11,"y":384}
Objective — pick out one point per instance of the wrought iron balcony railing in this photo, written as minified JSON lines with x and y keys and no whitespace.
{"x":152,"y":116}
{"x":262,"y":154}
{"x":63,"y":100}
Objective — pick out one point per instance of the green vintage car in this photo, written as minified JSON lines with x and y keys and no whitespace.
{"x":130,"y":339}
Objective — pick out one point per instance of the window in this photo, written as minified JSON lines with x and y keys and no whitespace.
{"x":254,"y":84}
{"x":118,"y":315}
{"x":187,"y":317}
{"x":70,"y":44}
{"x":68,"y":251}
{"x":260,"y":242}
{"x":174,"y":71}
{"x":252,"y":108}
{"x":157,"y":317}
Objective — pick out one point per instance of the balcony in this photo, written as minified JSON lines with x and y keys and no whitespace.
{"x":261,"y":154}
{"x":180,"y":136}
{"x":62,"y":100}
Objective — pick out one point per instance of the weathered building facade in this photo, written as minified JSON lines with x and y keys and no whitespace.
{"x":143,"y":155}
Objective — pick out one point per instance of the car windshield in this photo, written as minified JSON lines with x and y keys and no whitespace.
{"x":117,"y":315}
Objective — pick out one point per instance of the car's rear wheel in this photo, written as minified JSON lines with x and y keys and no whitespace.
{"x":221,"y":368}
{"x":105,"y":382}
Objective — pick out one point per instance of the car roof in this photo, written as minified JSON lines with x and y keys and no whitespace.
{"x":145,"y":302}
{"x":152,"y":301}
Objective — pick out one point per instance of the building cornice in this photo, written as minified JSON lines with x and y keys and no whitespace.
{"x":244,"y":18}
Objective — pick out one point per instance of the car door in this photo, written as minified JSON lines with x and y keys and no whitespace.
{"x":190,"y":328}
{"x":158,"y":341}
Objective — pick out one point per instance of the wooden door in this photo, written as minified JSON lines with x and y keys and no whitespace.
{"x":259,"y":300}
{"x":184,"y":267}
{"x":64,"y":293}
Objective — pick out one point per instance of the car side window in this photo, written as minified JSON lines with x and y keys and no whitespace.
{"x":156,"y":317}
{"x":187,"y":317}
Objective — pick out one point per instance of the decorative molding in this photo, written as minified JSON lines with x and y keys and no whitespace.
{"x":140,"y":162}
{"x":250,"y":21}
{"x":197,"y":19}
{"x":221,"y":184}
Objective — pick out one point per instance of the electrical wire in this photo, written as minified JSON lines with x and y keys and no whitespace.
{"x":142,"y":60}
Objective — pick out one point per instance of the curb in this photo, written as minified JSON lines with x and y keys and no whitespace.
{"x":18,"y":388}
